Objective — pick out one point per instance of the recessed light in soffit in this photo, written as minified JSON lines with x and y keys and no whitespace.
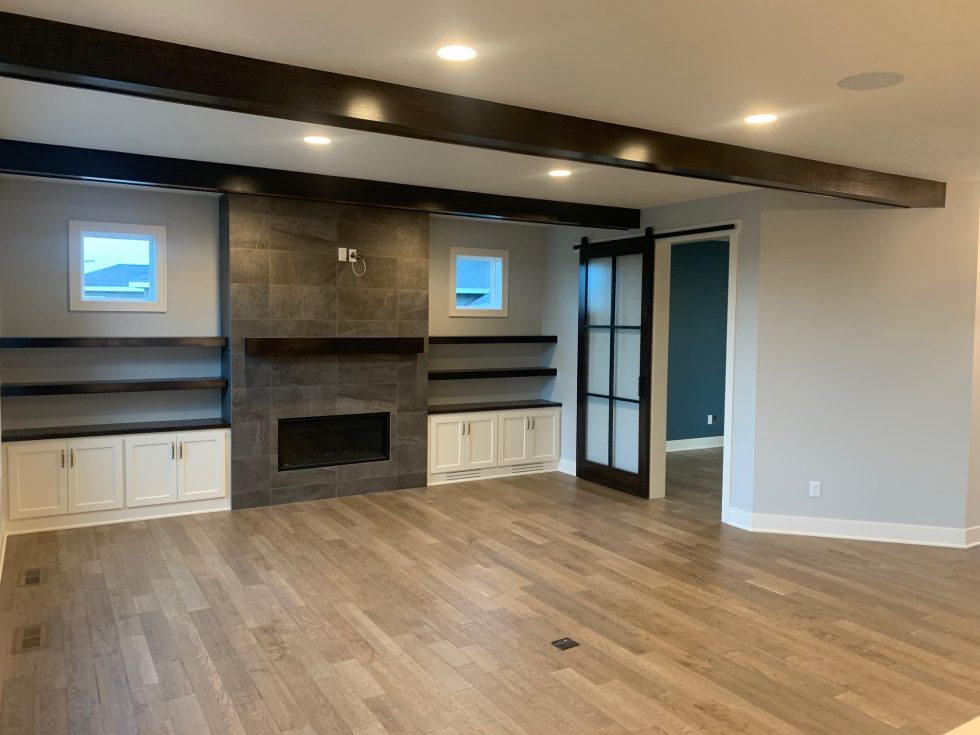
{"x":456,"y":52}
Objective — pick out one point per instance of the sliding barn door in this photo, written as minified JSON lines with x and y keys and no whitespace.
{"x":615,"y":331}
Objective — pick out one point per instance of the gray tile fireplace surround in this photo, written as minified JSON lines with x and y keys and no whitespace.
{"x":284,"y":280}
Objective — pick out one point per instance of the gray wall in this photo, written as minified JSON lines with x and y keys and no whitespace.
{"x":866,"y":331}
{"x":34,"y":218}
{"x":745,"y":207}
{"x":526,"y":244}
{"x":560,"y":316}
{"x":527,"y":247}
{"x":34,"y":258}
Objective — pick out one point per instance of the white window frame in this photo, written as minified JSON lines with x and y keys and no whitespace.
{"x":77,"y":229}
{"x":504,"y":255}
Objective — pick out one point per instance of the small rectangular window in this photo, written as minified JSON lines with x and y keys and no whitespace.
{"x":479,"y":282}
{"x":117,"y":267}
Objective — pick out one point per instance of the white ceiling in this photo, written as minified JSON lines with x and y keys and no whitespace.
{"x":48,"y":114}
{"x":694,"y":67}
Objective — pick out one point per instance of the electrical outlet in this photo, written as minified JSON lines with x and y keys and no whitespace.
{"x":814,"y":488}
{"x":712,"y":419}
{"x":342,"y":255}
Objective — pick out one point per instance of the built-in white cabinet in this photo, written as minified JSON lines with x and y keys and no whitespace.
{"x":37,"y":478}
{"x":95,"y":474}
{"x":459,"y":442}
{"x":109,"y":473}
{"x":167,"y":468}
{"x":529,"y":436}
{"x":201,"y":465}
{"x":488,"y":444}
{"x":49,"y":478}
{"x":151,"y":469}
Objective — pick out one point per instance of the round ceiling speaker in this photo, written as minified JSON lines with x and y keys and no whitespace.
{"x":871,"y":80}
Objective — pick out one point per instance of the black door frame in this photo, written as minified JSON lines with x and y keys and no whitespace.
{"x":639,"y":483}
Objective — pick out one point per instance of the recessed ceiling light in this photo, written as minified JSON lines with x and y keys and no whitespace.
{"x":317,"y":140}
{"x":559,"y":173}
{"x":456,"y":52}
{"x":871,"y":80}
{"x":761,"y":118}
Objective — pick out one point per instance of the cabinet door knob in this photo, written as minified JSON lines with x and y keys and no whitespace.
{"x":72,"y":452}
{"x":173,"y":450}
{"x":62,"y":459}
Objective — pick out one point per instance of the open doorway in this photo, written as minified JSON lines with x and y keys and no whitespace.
{"x":696,"y":368}
{"x":693,"y":364}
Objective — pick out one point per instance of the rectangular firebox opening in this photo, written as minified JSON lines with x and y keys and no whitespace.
{"x":325,"y":441}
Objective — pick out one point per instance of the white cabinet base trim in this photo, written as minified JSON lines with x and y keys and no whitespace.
{"x":531,"y":468}
{"x":122,"y":515}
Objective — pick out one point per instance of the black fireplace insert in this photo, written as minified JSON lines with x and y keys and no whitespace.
{"x":325,"y":441}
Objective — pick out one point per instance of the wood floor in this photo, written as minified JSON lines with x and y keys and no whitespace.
{"x":432,"y":611}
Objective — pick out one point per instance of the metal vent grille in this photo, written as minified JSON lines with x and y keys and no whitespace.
{"x":464,"y":475}
{"x":521,"y":469}
{"x":31,"y":577}
{"x":30,"y":638}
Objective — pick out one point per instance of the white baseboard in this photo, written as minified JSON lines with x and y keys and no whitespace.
{"x":706,"y":442}
{"x":567,"y":466}
{"x":737,"y":517}
{"x":896,"y":533}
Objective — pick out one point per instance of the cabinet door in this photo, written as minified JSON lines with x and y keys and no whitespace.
{"x":37,"y":479}
{"x":545,"y":436}
{"x":445,"y":443}
{"x":514,"y":438}
{"x":480,"y":448}
{"x":201,"y":465}
{"x":95,"y":474}
{"x":151,"y":469}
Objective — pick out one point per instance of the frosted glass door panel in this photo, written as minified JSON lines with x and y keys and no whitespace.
{"x":598,"y":361}
{"x":629,"y":290}
{"x":627,"y":362}
{"x":597,"y":430}
{"x":626,"y":429}
{"x":599,"y":301}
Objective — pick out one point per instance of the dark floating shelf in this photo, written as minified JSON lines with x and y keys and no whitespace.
{"x":43,"y":342}
{"x":496,"y":340}
{"x":480,"y":373}
{"x":270,"y":346}
{"x":143,"y":427}
{"x":491,"y":406}
{"x":109,"y":386}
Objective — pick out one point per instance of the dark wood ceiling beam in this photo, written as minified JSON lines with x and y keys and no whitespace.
{"x":85,"y":164}
{"x":59,"y":53}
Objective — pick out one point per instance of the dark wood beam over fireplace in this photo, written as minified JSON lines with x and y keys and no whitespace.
{"x":60,"y":53}
{"x":85,"y":164}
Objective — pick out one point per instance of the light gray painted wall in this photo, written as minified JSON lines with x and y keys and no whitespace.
{"x":34,"y":218}
{"x":560,"y":316}
{"x":527,"y":246}
{"x":865,"y":361}
{"x":34,"y":258}
{"x":746,"y":208}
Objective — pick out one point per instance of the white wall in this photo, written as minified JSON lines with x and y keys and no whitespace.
{"x":34,"y":218}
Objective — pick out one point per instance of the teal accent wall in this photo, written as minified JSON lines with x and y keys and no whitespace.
{"x":698,"y":326}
